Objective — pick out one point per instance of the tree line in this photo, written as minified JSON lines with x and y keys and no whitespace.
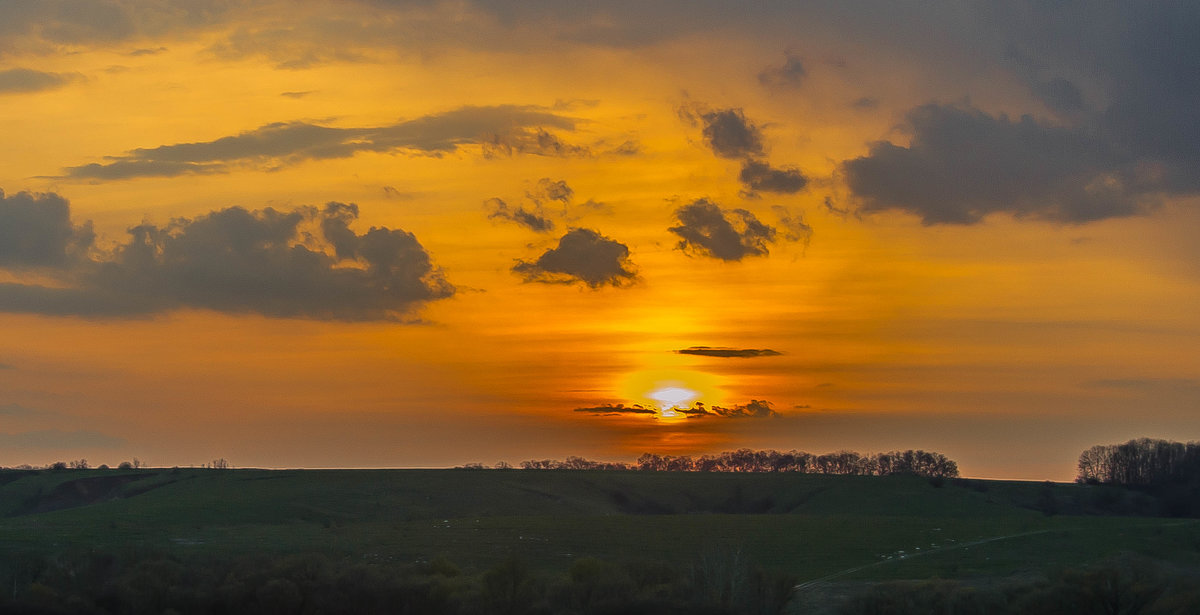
{"x":917,"y":462}
{"x":1141,"y":462}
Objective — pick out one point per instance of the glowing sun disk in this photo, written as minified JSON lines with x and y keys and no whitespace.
{"x":673,"y":396}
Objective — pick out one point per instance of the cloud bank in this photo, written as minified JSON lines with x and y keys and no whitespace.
{"x":305,"y":263}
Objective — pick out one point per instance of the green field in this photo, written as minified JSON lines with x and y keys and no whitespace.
{"x":809,"y":527}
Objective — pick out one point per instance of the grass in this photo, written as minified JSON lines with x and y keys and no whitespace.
{"x":812,"y":526}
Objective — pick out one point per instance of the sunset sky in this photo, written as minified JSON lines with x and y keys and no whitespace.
{"x":420,"y":234}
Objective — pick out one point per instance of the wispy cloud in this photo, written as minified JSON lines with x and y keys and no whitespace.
{"x":520,"y":129}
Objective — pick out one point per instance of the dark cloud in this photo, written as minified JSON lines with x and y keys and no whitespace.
{"x":18,"y":80}
{"x":963,"y":164}
{"x":730,"y":235}
{"x":582,"y":255}
{"x":1059,"y":95}
{"x":74,"y":22}
{"x":628,"y":148}
{"x":547,"y":190}
{"x":611,"y":410}
{"x":730,"y":134}
{"x":727,"y":353}
{"x":755,"y":409}
{"x":793,"y":225}
{"x":60,"y":440}
{"x":306,"y":263}
{"x":499,"y":210}
{"x":36,"y":231}
{"x":295,"y":94}
{"x":791,"y":74}
{"x":146,"y":51}
{"x":536,"y":142}
{"x":16,"y":410}
{"x":758,"y":176}
{"x":285,"y":143}
{"x":866,"y":103}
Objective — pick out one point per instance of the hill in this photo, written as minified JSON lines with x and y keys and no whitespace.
{"x":808,"y":525}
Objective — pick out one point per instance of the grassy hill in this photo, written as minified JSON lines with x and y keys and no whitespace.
{"x":808,"y":525}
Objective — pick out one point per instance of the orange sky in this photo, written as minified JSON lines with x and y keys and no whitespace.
{"x":867,"y":226}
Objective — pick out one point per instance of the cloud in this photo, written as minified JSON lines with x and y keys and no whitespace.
{"x":36,"y":231}
{"x":56,"y":439}
{"x":296,"y":94}
{"x":94,"y":22}
{"x":499,"y":210}
{"x":582,"y":255}
{"x":21,"y":80}
{"x":793,"y":225}
{"x":1149,"y":385}
{"x":284,"y":143}
{"x":755,"y":409}
{"x":865,"y":103}
{"x":547,"y":190}
{"x":963,"y":164}
{"x":730,"y":235}
{"x":730,"y":134}
{"x":791,"y":74}
{"x":305,"y":263}
{"x":16,"y":410}
{"x":611,"y":410}
{"x":725,"y":353}
{"x":758,"y":176}
{"x":533,"y":142}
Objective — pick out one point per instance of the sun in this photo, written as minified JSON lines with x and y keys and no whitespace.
{"x":670,"y":397}
{"x":669,"y":391}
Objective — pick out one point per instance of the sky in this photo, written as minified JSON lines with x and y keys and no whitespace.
{"x":369,"y":233}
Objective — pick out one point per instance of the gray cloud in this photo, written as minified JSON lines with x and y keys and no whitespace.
{"x":582,"y":255}
{"x":963,"y":164}
{"x":727,"y":353}
{"x":537,"y":142}
{"x":611,"y":410}
{"x":730,"y":235}
{"x":499,"y":210}
{"x":793,"y":225}
{"x":285,"y":143}
{"x":865,"y":103}
{"x":36,"y":231}
{"x":547,"y":190}
{"x":55,"y":439}
{"x":790,"y":74}
{"x":306,"y":263}
{"x":19,"y":80}
{"x":755,"y":409}
{"x":730,"y":134}
{"x":762,"y":177}
{"x":74,"y":22}
{"x":16,"y":410}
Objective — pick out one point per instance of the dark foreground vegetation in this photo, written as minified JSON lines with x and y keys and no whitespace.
{"x":719,"y":582}
{"x":100,"y":582}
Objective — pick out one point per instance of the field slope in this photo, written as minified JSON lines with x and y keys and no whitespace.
{"x":812,"y":526}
